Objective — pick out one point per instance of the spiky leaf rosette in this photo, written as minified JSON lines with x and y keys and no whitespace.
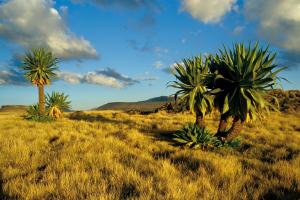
{"x":196,"y":137}
{"x":190,"y":75}
{"x":57,"y":103}
{"x":39,"y":65}
{"x":240,"y":79}
{"x":32,"y":110}
{"x":34,"y":115}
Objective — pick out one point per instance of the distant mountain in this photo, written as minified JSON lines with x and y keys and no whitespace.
{"x":10,"y":108}
{"x":160,"y":99}
{"x":147,"y":105}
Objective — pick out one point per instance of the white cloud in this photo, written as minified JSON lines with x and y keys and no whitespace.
{"x":70,"y":77}
{"x":208,"y":11}
{"x":278,"y":21}
{"x":158,"y":64}
{"x":12,"y":77}
{"x":106,"y":77}
{"x":100,"y":79}
{"x":33,"y":23}
{"x":238,"y":30}
{"x":91,"y":78}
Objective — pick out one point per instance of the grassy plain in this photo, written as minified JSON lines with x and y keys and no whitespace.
{"x":114,"y":155}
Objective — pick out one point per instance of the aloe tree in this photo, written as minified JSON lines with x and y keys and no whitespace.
{"x":39,"y":66}
{"x":240,"y":79}
{"x":190,"y":75}
{"x":57,"y":103}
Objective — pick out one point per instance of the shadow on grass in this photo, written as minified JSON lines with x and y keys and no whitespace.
{"x":98,"y":118}
{"x":3,"y":195}
{"x":160,"y":135}
{"x":279,"y":193}
{"x":154,"y":132}
{"x":129,"y":191}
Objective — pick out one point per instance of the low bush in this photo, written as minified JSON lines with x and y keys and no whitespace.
{"x":34,"y":115}
{"x":194,"y":136}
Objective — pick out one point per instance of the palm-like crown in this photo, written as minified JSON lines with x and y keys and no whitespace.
{"x":241,"y":77}
{"x":39,"y":65}
{"x":191,"y":84}
{"x":59,"y":100}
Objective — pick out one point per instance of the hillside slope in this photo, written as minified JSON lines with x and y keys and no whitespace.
{"x":147,"y":105}
{"x":12,"y":108}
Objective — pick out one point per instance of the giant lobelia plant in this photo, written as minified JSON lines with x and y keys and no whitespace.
{"x":240,"y":79}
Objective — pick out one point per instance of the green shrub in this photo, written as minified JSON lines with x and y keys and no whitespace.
{"x":236,"y":142}
{"x":34,"y":115}
{"x":194,"y":136}
{"x":56,"y":103}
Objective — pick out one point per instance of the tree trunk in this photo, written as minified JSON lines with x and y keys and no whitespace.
{"x":200,"y":121}
{"x":236,"y":128}
{"x":41,"y":99}
{"x":222,"y":125}
{"x":223,"y":122}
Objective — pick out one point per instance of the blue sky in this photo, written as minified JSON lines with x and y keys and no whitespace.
{"x":121,"y":50}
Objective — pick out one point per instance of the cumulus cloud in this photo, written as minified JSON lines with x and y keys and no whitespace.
{"x":109,"y":72}
{"x":12,"y":77}
{"x":106,"y":77}
{"x":70,"y":77}
{"x":278,"y":22}
{"x":98,"y":78}
{"x":206,"y":11}
{"x":37,"y":23}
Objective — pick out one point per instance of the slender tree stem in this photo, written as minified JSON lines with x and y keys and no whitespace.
{"x":223,"y":122}
{"x":41,"y":99}
{"x":221,"y":133}
{"x":236,"y":128}
{"x":200,"y":121}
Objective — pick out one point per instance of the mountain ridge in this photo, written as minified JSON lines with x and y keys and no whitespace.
{"x":146,"y":105}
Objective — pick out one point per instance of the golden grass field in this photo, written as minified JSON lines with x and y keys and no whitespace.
{"x":114,"y":155}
